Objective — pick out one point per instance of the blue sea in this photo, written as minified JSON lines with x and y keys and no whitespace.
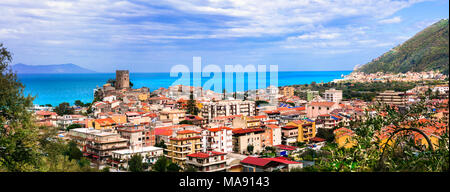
{"x":57,"y":88}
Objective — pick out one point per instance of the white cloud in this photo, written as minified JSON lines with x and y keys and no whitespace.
{"x":391,"y":20}
{"x":83,"y":26}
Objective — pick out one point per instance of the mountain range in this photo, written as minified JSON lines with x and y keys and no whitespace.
{"x":21,"y":68}
{"x":425,"y":51}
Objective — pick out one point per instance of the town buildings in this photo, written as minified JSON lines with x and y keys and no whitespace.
{"x":288,"y":91}
{"x":255,"y":164}
{"x":316,"y":108}
{"x":211,"y":110}
{"x":128,"y":121}
{"x":333,"y":95}
{"x":218,"y":139}
{"x":122,"y":79}
{"x":97,"y":144}
{"x":185,"y":142}
{"x":243,"y":139}
{"x":150,"y":154}
{"x":391,"y":97}
{"x":210,"y":161}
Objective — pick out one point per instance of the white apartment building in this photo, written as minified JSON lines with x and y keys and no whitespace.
{"x":218,"y":139}
{"x":150,"y":154}
{"x":210,"y":110}
{"x":333,"y":95}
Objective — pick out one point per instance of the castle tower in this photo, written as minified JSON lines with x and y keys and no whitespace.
{"x":122,"y":79}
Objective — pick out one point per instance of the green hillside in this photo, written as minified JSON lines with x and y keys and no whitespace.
{"x":427,"y":50}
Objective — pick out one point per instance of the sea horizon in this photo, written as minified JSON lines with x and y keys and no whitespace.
{"x":54,"y":88}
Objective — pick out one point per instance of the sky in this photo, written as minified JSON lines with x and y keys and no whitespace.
{"x":154,"y":36}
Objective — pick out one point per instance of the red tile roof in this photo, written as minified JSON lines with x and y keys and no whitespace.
{"x":264,"y":161}
{"x":286,"y":147}
{"x":165,"y":132}
{"x":107,"y":121}
{"x":289,"y":127}
{"x":219,"y":129}
{"x":322,"y":104}
{"x":256,"y":161}
{"x":244,"y":131}
{"x":187,"y":132}
{"x":272,"y":126}
{"x":283,"y":161}
{"x":45,"y":113}
{"x":260,"y":117}
{"x":317,"y":139}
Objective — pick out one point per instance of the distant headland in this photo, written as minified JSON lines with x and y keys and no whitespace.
{"x":21,"y":68}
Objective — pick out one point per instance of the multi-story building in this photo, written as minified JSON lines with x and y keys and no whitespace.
{"x":218,"y":139}
{"x":288,"y":91}
{"x":101,"y":124}
{"x":175,"y":116}
{"x":185,"y":142}
{"x":210,"y":110}
{"x":211,"y":161}
{"x":150,"y":154}
{"x":246,"y":122}
{"x":271,"y":136}
{"x":333,"y":95}
{"x":391,"y":97}
{"x":289,"y":134}
{"x":138,"y":135}
{"x":243,"y":138}
{"x":306,"y":129}
{"x":328,"y":121}
{"x":315,"y":109}
{"x":310,"y":95}
{"x":97,"y":144}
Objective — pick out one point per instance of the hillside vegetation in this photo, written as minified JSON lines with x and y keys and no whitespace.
{"x":427,"y":50}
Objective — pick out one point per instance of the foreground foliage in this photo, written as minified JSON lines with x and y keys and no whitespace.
{"x":404,"y":155}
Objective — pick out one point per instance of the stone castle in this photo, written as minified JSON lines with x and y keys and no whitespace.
{"x":122,"y":79}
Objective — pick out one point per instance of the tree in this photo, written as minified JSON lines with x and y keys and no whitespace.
{"x":112,"y":82}
{"x":64,"y":109}
{"x":18,"y":141}
{"x":327,"y":134}
{"x":191,"y":105}
{"x":79,"y":103}
{"x":186,"y":122}
{"x":173,"y":167}
{"x":73,"y":152}
{"x":190,"y":168}
{"x":161,"y":144}
{"x":224,"y":92}
{"x":73,"y":126}
{"x":250,"y":149}
{"x":106,"y":169}
{"x":404,"y":154}
{"x":161,"y":164}
{"x":57,"y":156}
{"x":135,"y":163}
{"x":259,"y":102}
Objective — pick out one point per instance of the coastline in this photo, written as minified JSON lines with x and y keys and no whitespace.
{"x":56,"y":88}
